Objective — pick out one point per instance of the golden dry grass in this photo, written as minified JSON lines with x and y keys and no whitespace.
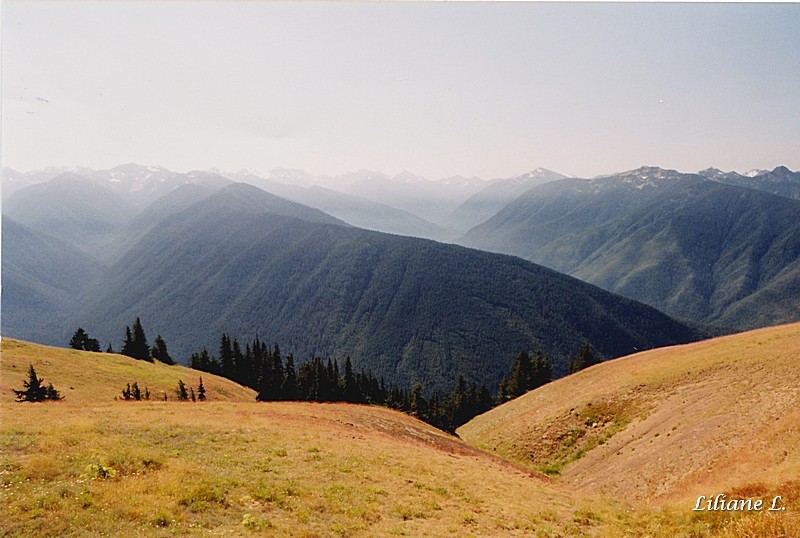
{"x":95,"y":466}
{"x":100,"y":377}
{"x":92,"y":465}
{"x":662,"y":427}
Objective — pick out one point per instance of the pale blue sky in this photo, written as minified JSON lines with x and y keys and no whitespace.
{"x":440,"y":89}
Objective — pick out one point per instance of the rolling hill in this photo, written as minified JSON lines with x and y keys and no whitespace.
{"x":85,"y":378}
{"x":93,"y":465}
{"x":411,"y":310}
{"x":689,"y":246}
{"x":664,"y":426}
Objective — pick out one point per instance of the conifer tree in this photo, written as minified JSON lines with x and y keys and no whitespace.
{"x":276,"y":375}
{"x":419,"y":407}
{"x":135,"y":343}
{"x":181,"y":391}
{"x":34,"y":390}
{"x":542,"y":371}
{"x":51,"y":393}
{"x":226,"y":357}
{"x":141,"y":349}
{"x":191,"y":393}
{"x":289,"y":388}
{"x":584,"y":359}
{"x":238,"y":364}
{"x":127,"y":344}
{"x":201,"y":391}
{"x":109,"y":349}
{"x":350,"y":388}
{"x":519,"y":378}
{"x":80,"y":340}
{"x":159,"y":351}
{"x":136,"y":393}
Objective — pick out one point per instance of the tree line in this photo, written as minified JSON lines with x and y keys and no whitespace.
{"x":277,"y":377}
{"x":134,"y":344}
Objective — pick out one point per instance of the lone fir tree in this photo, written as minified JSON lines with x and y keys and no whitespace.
{"x":201,"y":391}
{"x":35,"y":391}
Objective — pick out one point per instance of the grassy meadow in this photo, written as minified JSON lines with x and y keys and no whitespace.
{"x":662,"y":427}
{"x":93,"y":465}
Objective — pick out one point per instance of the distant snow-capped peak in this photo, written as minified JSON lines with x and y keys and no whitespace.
{"x":644,"y":177}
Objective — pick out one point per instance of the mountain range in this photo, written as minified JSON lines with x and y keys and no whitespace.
{"x":197,"y":254}
{"x":694,"y":247}
{"x":202,"y":260}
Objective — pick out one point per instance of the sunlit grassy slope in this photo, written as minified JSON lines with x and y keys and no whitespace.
{"x":664,"y":426}
{"x":83,"y":377}
{"x":91,"y":465}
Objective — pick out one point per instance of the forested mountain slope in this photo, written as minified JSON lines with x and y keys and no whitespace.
{"x":692,"y":247}
{"x":407,"y":309}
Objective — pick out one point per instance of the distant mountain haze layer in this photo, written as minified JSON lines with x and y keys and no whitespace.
{"x":488,"y":201}
{"x":82,"y":211}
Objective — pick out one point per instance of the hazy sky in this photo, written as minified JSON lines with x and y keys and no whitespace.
{"x":439,"y":89}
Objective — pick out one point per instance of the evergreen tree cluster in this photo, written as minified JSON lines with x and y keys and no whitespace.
{"x":80,"y":340}
{"x":527,"y":373}
{"x":274,"y":377}
{"x":135,"y":344}
{"x":585,"y":358}
{"x":324,"y":380}
{"x":186,"y":395}
{"x":451,"y":410}
{"x":133,"y":392}
{"x":35,"y":391}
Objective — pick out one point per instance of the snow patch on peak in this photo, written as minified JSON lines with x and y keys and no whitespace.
{"x":711,"y":172}
{"x":641,"y":178}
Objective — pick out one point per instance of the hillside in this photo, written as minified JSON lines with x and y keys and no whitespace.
{"x":692,"y":247}
{"x":410,"y":310}
{"x":90,"y":465}
{"x":44,"y":278}
{"x":664,"y":426}
{"x":91,"y":378}
{"x":93,"y":465}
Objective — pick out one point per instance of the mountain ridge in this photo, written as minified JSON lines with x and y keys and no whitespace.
{"x":685,"y":244}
